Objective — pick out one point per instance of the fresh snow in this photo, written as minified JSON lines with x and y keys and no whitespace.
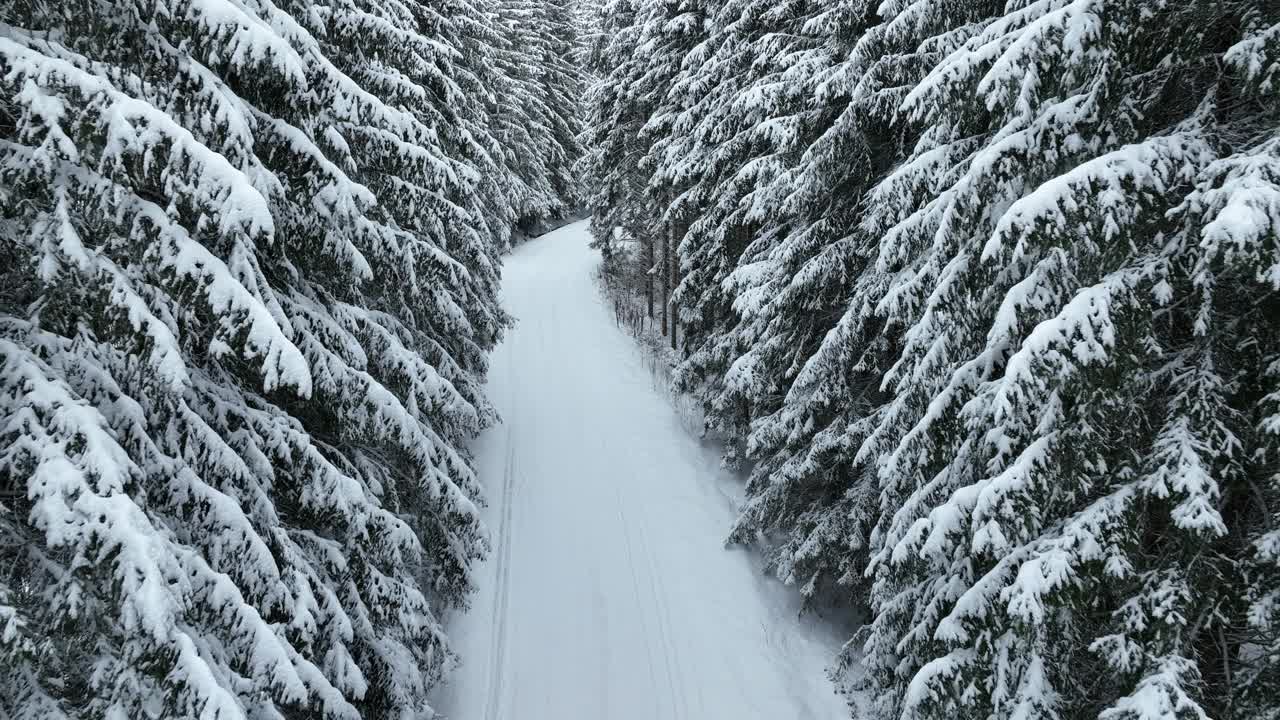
{"x":610,"y":594}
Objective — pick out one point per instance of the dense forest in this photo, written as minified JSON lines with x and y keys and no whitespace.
{"x":248,"y":280}
{"x":984,"y":297}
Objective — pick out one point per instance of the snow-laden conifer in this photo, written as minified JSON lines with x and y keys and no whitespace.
{"x":986,"y":292}
{"x":251,"y":260}
{"x":1065,"y":457}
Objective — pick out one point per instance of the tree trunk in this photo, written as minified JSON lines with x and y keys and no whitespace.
{"x":648,"y":276}
{"x":666,"y":281}
{"x":674,"y":273}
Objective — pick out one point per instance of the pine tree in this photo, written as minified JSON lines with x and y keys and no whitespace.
{"x":252,"y":279}
{"x":734,"y":113}
{"x":610,"y":137}
{"x":804,"y":492}
{"x":986,"y":292}
{"x":670,"y":32}
{"x":1067,"y":435}
{"x":562,"y":83}
{"x":536,"y":117}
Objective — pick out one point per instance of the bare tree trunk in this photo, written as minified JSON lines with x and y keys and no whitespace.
{"x":666,"y":281}
{"x":648,"y":275}
{"x":674,"y":273}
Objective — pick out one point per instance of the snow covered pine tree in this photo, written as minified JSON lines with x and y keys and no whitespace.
{"x":988,"y":293}
{"x":536,"y":115}
{"x":249,"y":281}
{"x":1069,"y":468}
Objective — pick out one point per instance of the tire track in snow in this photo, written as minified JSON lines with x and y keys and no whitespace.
{"x":501,"y":601}
{"x":635,"y":584}
{"x":575,"y":624}
{"x":675,"y":680}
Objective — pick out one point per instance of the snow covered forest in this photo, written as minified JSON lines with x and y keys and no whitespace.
{"x":250,"y":255}
{"x":983,"y":295}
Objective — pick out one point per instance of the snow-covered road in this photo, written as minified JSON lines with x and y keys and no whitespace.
{"x":609,"y":594}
